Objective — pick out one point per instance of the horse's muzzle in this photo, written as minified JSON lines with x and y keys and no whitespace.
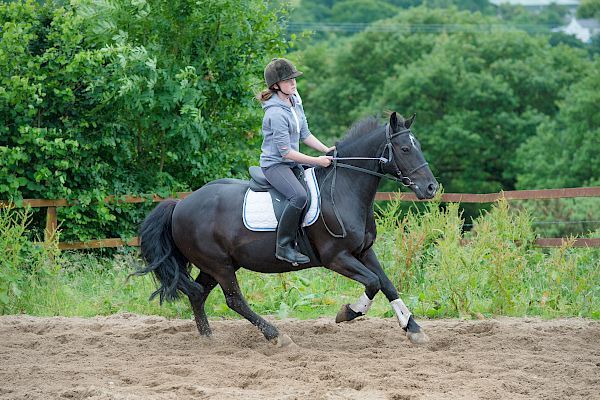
{"x":426,"y":191}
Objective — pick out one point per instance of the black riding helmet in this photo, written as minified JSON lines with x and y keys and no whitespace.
{"x":280,"y":69}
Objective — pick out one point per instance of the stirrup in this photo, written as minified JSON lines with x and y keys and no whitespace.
{"x":295,"y":258}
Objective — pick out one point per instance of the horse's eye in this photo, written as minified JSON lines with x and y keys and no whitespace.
{"x":405,"y":149}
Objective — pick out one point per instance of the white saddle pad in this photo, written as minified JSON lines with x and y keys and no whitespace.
{"x":258,"y":210}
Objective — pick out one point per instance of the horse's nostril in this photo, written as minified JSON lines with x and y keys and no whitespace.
{"x":432,"y":188}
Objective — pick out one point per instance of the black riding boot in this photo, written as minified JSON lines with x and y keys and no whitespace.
{"x":286,"y":236}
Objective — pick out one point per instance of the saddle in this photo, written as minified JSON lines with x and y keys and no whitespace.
{"x":259,"y":183}
{"x":263,"y":206}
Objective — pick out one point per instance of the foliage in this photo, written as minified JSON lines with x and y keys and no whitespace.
{"x":564,"y":217}
{"x":120,"y":97}
{"x":362,"y":11}
{"x":478,"y":94}
{"x":589,"y":9}
{"x":26,"y":267}
{"x":569,"y":159}
{"x":570,"y":140}
{"x":365,"y":11}
{"x":498,"y":272}
{"x":550,"y":16}
{"x":127,"y":97}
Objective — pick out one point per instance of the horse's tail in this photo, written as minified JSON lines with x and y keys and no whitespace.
{"x":162,"y":256}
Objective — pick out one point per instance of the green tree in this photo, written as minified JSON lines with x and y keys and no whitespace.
{"x":479,"y":93}
{"x":127,"y":97}
{"x":184,"y":93}
{"x":366,"y":11}
{"x":362,"y":11}
{"x":343,"y":75}
{"x":480,"y":99}
{"x":564,"y":152}
{"x":589,"y":9}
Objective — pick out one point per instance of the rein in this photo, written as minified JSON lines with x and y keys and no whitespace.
{"x":403,"y":179}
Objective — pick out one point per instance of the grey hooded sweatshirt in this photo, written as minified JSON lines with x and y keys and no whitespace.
{"x":283,"y":127}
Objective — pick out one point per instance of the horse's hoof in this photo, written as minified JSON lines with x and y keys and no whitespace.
{"x":417,"y":337}
{"x":283,"y":341}
{"x":346,"y":314}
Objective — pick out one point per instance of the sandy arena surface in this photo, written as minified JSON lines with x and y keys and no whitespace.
{"x":127,"y":356}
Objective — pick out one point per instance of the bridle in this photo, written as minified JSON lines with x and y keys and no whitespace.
{"x":396,"y":174}
{"x":384,"y":166}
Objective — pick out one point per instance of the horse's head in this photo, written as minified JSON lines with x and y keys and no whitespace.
{"x":405,"y":159}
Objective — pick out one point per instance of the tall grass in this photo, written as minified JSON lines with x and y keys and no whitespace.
{"x":439,"y":271}
{"x":497,"y":270}
{"x":26,"y":267}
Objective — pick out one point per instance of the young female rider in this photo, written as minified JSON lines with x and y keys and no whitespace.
{"x":284,"y":125}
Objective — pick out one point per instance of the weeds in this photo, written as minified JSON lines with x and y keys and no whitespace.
{"x":492,"y":270}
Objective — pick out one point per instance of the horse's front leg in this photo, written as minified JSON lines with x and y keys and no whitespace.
{"x":413,"y":331}
{"x":349,"y":266}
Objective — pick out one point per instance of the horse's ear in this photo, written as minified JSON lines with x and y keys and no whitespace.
{"x":409,"y":121}
{"x":394,"y":121}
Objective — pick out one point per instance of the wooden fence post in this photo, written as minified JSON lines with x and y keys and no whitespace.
{"x":51,"y":223}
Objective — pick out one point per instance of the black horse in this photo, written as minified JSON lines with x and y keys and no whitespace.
{"x":206,"y":229}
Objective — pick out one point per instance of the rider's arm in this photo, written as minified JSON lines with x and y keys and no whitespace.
{"x":312,"y":142}
{"x":301,"y":158}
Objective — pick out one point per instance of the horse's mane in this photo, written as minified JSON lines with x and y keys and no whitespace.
{"x":361,"y":127}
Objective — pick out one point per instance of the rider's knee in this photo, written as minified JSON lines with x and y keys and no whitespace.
{"x":299,"y":200}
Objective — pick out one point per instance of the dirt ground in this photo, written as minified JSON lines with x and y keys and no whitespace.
{"x":127,"y":356}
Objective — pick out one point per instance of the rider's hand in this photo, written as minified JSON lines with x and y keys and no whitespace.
{"x":323,"y":161}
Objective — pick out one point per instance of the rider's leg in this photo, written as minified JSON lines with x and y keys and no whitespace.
{"x":286,"y":236}
{"x":283,"y":179}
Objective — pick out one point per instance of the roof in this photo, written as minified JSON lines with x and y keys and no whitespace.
{"x":582,"y":29}
{"x":589,"y":23}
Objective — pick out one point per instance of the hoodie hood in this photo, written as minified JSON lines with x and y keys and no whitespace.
{"x":275,"y":101}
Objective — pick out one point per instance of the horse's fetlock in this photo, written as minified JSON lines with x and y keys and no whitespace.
{"x":412,"y":326}
{"x":271,"y":333}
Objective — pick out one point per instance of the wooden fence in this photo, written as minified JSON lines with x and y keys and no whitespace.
{"x":52,"y":205}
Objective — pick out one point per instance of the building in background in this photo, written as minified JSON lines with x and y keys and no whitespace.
{"x":582,"y":29}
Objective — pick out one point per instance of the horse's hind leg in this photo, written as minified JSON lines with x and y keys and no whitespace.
{"x":197,"y":300}
{"x":235,"y":300}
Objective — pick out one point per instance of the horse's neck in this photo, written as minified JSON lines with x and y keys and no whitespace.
{"x":355,"y":186}
{"x":367,"y":145}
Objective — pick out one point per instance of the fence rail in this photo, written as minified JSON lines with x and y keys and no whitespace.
{"x":52,"y":205}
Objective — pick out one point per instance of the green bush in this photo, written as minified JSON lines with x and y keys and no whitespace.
{"x":495,"y":271}
{"x":26,"y":267}
{"x":128,"y":97}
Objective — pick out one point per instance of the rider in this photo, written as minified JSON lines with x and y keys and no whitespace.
{"x":284,"y":125}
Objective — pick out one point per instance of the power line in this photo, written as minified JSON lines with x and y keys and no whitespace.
{"x":353,"y":27}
